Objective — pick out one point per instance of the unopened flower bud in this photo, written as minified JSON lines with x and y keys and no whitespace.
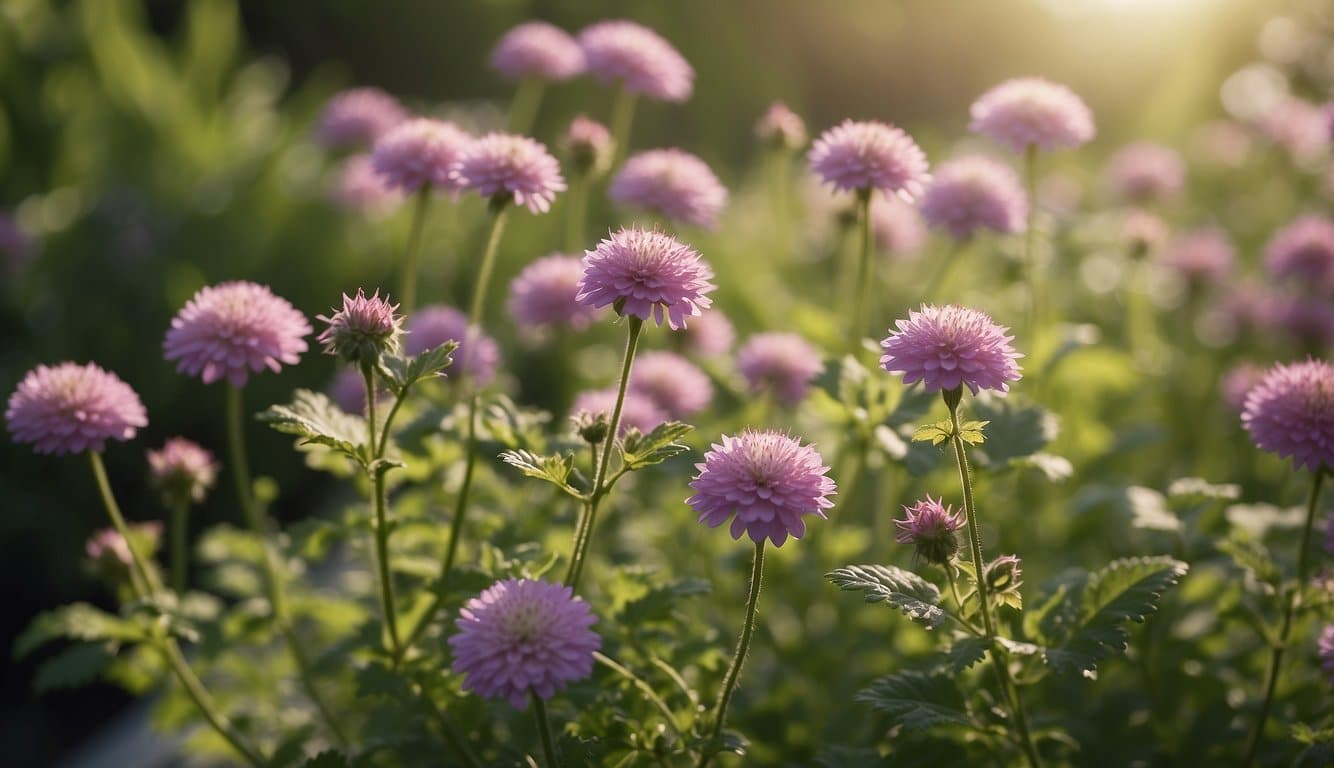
{"x":182,"y":471}
{"x":592,"y":427}
{"x":930,"y":526}
{"x":1004,"y":574}
{"x":363,"y":329}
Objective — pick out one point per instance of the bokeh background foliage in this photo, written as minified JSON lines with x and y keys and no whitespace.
{"x":155,"y":147}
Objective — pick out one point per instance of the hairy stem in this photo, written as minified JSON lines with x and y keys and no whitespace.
{"x":381,"y":519}
{"x":742,"y":649}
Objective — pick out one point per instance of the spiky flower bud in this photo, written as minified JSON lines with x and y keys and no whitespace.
{"x":930,"y":527}
{"x":363,"y":329}
{"x":592,"y":427}
{"x":1004,"y":574}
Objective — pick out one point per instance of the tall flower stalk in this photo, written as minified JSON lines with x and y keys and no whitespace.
{"x":407,"y":289}
{"x":622,"y":119}
{"x":1031,"y":276}
{"x":862,"y":305}
{"x":742,"y":651}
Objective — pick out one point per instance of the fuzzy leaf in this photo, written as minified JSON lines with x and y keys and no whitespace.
{"x":1251,"y":556}
{"x":318,"y":420}
{"x":400,"y":372}
{"x":660,"y":602}
{"x":638,"y":451}
{"x":916,"y":597}
{"x":918,"y":701}
{"x":971,"y":432}
{"x":74,"y":666}
{"x":935,"y":433}
{"x":965,"y":652}
{"x":553,"y":469}
{"x":77,"y":621}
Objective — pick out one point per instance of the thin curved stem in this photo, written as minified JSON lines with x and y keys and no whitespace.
{"x":742,"y":649}
{"x":407,"y":291}
{"x":860,"y":318}
{"x":622,"y":116}
{"x":576,"y":211}
{"x":526,"y":104}
{"x":1294,"y":597}
{"x":381,"y":520}
{"x":145,"y":581}
{"x":643,"y":687}
{"x":488,"y":265}
{"x":600,"y":486}
{"x":180,"y":552}
{"x":544,"y":729}
{"x":1030,"y":234}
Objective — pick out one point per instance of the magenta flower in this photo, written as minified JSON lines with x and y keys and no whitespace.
{"x":230,"y":330}
{"x":509,"y":167}
{"x":107,"y":548}
{"x":539,"y":50}
{"x":673,"y":383}
{"x":1304,"y":251}
{"x":975,"y":192}
{"x":1325,"y":650}
{"x":358,"y":117}
{"x":780,"y":364}
{"x":870,"y":155}
{"x":709,"y":335}
{"x":365,"y":328}
{"x":182,"y":470}
{"x":896,"y":226}
{"x":1291,"y":413}
{"x":1238,"y":382}
{"x":1202,"y":257}
{"x":781,"y":127}
{"x":1146,"y":172}
{"x":948,"y":347}
{"x":419,"y":153}
{"x":542,"y":296}
{"x":637,"y":411}
{"x":477,"y":356}
{"x":673,"y":183}
{"x":521,"y":635}
{"x":358,"y":187}
{"x":766,"y":482}
{"x":648,"y":274}
{"x":1031,"y":111}
{"x":638,"y":58}
{"x":72,"y":408}
{"x":930,"y":526}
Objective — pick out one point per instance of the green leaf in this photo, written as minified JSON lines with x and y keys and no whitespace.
{"x":74,"y":666}
{"x":328,"y":759}
{"x":318,"y":420}
{"x":1194,"y":491}
{"x":660,"y":603}
{"x":935,"y":433}
{"x":1252,"y":556}
{"x":1057,"y":468}
{"x":638,"y":451}
{"x":553,"y":469}
{"x":918,"y":701}
{"x":971,"y":432}
{"x":1148,"y":509}
{"x":77,"y":621}
{"x":511,"y":426}
{"x":1087,"y":622}
{"x":1014,"y":429}
{"x":916,"y":597}
{"x":401,"y":372}
{"x":965,"y":652}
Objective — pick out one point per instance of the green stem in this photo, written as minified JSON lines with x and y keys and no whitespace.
{"x":544,"y":729}
{"x":1030,"y":242}
{"x":589,"y":518}
{"x":381,"y":520}
{"x":1293,"y":598}
{"x":576,"y":212}
{"x":643,"y":687}
{"x":501,"y":211}
{"x":622,"y":116}
{"x":860,"y":316}
{"x":407,"y":291}
{"x":180,"y":553}
{"x":742,"y":649}
{"x":524,"y":108}
{"x":453,"y":738}
{"x":146,"y":585}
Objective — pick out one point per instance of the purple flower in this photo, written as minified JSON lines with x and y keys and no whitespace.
{"x":1202,"y":257}
{"x":542,"y":296}
{"x":503,"y":165}
{"x":930,"y":526}
{"x":638,"y":58}
{"x":673,"y":183}
{"x":768,"y":480}
{"x":782,"y":128}
{"x":673,"y":383}
{"x":1309,"y":321}
{"x":1325,"y":650}
{"x":646,"y":273}
{"x":709,"y":335}
{"x":1032,"y":111}
{"x":72,"y":408}
{"x":637,"y":411}
{"x":1291,"y":413}
{"x":359,"y":188}
{"x":418,"y":153}
{"x":1146,"y":172}
{"x":896,"y":226}
{"x":358,"y":117}
{"x":975,"y":192}
{"x":780,"y":364}
{"x":948,"y":347}
{"x":1238,"y":382}
{"x":108,"y":549}
{"x":521,"y":635}
{"x":1304,"y":251}
{"x":232,"y":329}
{"x":477,"y":356}
{"x":539,"y":50}
{"x":870,"y":155}
{"x":365,"y":328}
{"x":589,"y":145}
{"x":348,"y":390}
{"x":182,"y":470}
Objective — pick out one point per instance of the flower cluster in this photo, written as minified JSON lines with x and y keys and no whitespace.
{"x":930,"y":526}
{"x":779,"y":364}
{"x":420,"y":153}
{"x":182,"y":470}
{"x":672,"y":383}
{"x":478,"y":355}
{"x":363,"y":330}
{"x":975,"y":192}
{"x":540,"y":50}
{"x":358,"y":117}
{"x":542,"y":296}
{"x":503,"y":166}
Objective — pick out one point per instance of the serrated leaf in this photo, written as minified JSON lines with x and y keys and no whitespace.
{"x":401,"y":372}
{"x":918,"y":701}
{"x":1252,"y":556}
{"x":553,"y":469}
{"x":77,"y":621}
{"x":1014,"y":429}
{"x":74,"y":666}
{"x":511,"y":426}
{"x":660,"y":602}
{"x":317,"y":420}
{"x":934,"y":433}
{"x":1088,"y":623}
{"x":965,"y":652}
{"x":971,"y":432}
{"x":916,"y":597}
{"x":638,"y":451}
{"x":1148,"y":509}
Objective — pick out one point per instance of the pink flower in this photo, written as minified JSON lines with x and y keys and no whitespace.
{"x":539,"y":50}
{"x":637,"y":410}
{"x":781,"y":364}
{"x":589,"y":144}
{"x":1238,"y":382}
{"x":1291,"y":413}
{"x":234,"y":329}
{"x":72,"y":408}
{"x":975,"y":192}
{"x":948,"y":347}
{"x":510,"y":167}
{"x":419,"y":153}
{"x":1304,"y":251}
{"x":365,"y":328}
{"x":358,"y":117}
{"x":930,"y":526}
{"x":647,"y":274}
{"x":1299,"y":127}
{"x":672,"y":383}
{"x":182,"y":470}
{"x":106,"y":547}
{"x":1031,"y":111}
{"x":870,"y":155}
{"x":766,"y":482}
{"x":1146,"y":172}
{"x":673,"y":183}
{"x":638,"y":58}
{"x":709,"y":335}
{"x":1203,"y":257}
{"x":524,"y":635}
{"x":542,"y":296}
{"x":781,"y":127}
{"x":477,"y":356}
{"x":359,"y":188}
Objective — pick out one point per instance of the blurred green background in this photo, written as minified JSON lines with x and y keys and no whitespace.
{"x":154,"y":147}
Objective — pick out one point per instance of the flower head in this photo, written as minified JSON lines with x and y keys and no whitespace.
{"x":521,"y":635}
{"x":1238,"y":382}
{"x":1143,"y":232}
{"x":358,"y":117}
{"x":930,"y":526}
{"x":1146,"y":172}
{"x":182,"y":470}
{"x":782,"y":128}
{"x":72,"y":408}
{"x":1032,"y":111}
{"x":539,"y":50}
{"x":1304,"y":251}
{"x":359,"y":188}
{"x":1325,"y":650}
{"x":1291,"y":413}
{"x":348,"y":390}
{"x":766,"y":482}
{"x":870,"y":155}
{"x":896,"y":226}
{"x":542,"y":296}
{"x":638,"y":58}
{"x":233,"y":329}
{"x":975,"y":192}
{"x":1202,"y":257}
{"x":709,"y":335}
{"x":478,"y":355}
{"x":637,"y":411}
{"x":509,"y":167}
{"x":780,"y":364}
{"x":364,"y":329}
{"x":1298,"y":126}
{"x":1004,"y":574}
{"x":648,"y":274}
{"x":947,"y":347}
{"x":418,"y":153}
{"x":673,"y":383}
{"x":1307,"y":321}
{"x":589,"y":145}
{"x":110,"y":553}
{"x":673,"y":183}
